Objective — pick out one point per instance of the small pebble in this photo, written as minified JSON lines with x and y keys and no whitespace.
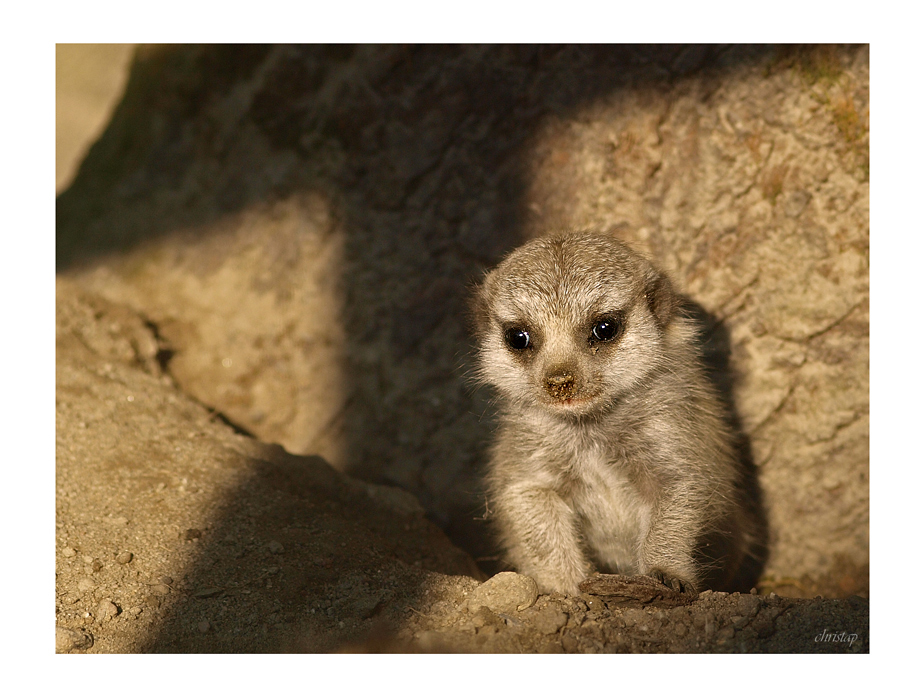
{"x":504,"y":593}
{"x":165,"y":580}
{"x":550,"y":620}
{"x":97,"y":565}
{"x":484,"y":617}
{"x":192,"y":534}
{"x":124,"y":557}
{"x":87,"y":559}
{"x":66,"y":640}
{"x":204,"y":626}
{"x":275,"y":547}
{"x":86,"y":585}
{"x":207,"y":592}
{"x":748,"y":605}
{"x":68,"y":552}
{"x":594,"y":603}
{"x":106,"y":611}
{"x":162,"y":590}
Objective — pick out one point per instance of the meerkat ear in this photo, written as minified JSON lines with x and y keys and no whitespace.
{"x":661,"y":298}
{"x":479,"y":305}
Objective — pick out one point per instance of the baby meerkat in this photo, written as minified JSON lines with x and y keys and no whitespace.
{"x":612,"y":451}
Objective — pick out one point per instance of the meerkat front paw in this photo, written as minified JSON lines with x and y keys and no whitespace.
{"x":562,"y":578}
{"x":674,"y":582}
{"x":561,"y":584}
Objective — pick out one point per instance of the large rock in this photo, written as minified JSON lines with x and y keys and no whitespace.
{"x":300,"y":226}
{"x":176,"y":533}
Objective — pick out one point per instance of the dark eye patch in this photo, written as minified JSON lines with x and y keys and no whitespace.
{"x":607,"y":328}
{"x":518,"y":338}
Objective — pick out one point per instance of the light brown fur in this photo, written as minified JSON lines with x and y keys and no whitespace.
{"x":612,"y":452}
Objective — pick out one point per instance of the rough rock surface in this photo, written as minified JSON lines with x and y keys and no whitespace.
{"x":287,"y":234}
{"x":176,"y":533}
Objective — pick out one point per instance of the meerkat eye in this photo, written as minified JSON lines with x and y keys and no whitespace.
{"x":606,"y":329}
{"x":517,"y":338}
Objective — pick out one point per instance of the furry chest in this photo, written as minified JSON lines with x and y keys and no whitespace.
{"x":614,"y":515}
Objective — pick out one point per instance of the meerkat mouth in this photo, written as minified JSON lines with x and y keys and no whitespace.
{"x":574,"y":404}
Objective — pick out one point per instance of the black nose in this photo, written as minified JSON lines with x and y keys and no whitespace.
{"x":560,"y":385}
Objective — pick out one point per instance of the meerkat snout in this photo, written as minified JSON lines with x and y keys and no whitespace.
{"x":561,"y":385}
{"x":612,"y":452}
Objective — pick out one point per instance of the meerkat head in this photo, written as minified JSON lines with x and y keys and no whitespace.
{"x":569,"y":323}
